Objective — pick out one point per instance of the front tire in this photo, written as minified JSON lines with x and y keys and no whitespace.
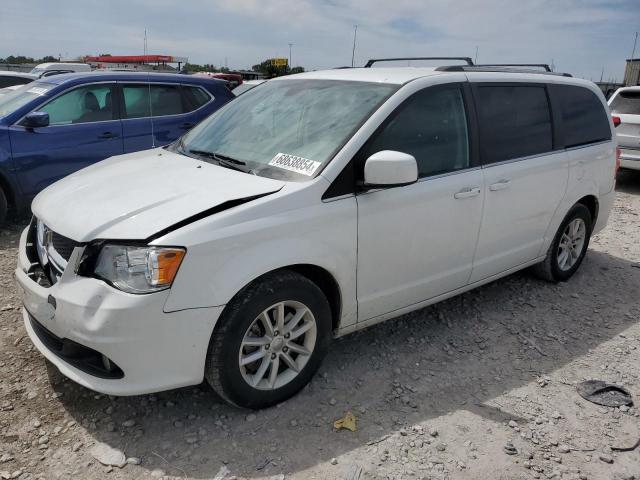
{"x":3,"y":206}
{"x":569,"y":246}
{"x":269,"y":341}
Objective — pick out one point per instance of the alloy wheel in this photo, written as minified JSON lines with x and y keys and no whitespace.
{"x":277,"y":345}
{"x":571,"y":244}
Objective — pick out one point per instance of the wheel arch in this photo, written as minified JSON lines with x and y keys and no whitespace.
{"x":9,"y":191}
{"x":592,"y":204}
{"x":319,"y":276}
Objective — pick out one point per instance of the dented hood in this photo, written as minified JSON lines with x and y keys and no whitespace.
{"x":137,"y":195}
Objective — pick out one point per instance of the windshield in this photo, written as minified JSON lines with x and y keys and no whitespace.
{"x":37,"y":71}
{"x":19,"y":97}
{"x":286,"y":129}
{"x":626,"y":102}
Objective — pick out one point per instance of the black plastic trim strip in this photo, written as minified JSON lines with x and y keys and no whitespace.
{"x":79,"y":356}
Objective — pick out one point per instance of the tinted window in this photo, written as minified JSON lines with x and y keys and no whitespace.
{"x":194,"y":97}
{"x":92,"y":103}
{"x":515,"y":121}
{"x":583,"y":116}
{"x":10,"y":80}
{"x":164,"y":100}
{"x":431,"y":126}
{"x":626,"y":102}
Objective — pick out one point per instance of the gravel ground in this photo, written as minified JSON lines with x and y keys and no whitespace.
{"x":443,"y":393}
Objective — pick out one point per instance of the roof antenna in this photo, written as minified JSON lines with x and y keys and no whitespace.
{"x":146,"y":51}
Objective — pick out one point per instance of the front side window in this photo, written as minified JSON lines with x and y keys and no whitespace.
{"x":515,"y":122}
{"x":626,"y":102}
{"x":92,"y":103}
{"x":584,"y":118}
{"x":286,"y":129}
{"x":151,"y":100}
{"x":431,"y":126}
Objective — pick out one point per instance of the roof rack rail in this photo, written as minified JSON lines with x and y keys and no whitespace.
{"x":497,"y":68}
{"x":371,"y":61}
{"x":545,"y":66}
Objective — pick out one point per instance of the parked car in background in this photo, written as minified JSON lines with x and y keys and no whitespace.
{"x":234,"y":79}
{"x":246,"y":86}
{"x":57,"y":68}
{"x":60,"y":124}
{"x":9,"y":78}
{"x":310,"y":207}
{"x":4,"y":91}
{"x":625,"y":108}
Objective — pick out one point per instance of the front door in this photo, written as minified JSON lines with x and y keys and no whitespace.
{"x":84,"y":128}
{"x":417,"y":242}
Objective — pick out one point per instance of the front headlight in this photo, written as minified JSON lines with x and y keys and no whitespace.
{"x":136,"y":269}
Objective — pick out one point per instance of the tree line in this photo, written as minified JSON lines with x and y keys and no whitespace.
{"x":19,"y":59}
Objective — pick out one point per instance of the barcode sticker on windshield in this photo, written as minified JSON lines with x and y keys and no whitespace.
{"x":37,"y":90}
{"x":300,"y":165}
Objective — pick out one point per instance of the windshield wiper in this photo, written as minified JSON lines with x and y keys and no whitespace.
{"x":222,"y":160}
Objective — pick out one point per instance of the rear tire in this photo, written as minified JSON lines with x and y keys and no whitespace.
{"x":269,"y":341}
{"x":568,"y":248}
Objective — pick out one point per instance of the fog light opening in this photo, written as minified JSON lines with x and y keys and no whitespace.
{"x":106,"y":363}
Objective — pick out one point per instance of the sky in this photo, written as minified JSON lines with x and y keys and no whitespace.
{"x":579,"y":36}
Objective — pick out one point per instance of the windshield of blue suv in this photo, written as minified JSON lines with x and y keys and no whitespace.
{"x":285,"y":129}
{"x":19,"y":97}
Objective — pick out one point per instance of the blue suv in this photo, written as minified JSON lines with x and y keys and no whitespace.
{"x":55,"y":126}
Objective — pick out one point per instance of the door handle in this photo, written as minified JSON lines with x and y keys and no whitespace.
{"x":501,"y":185}
{"x":187,"y":125}
{"x":107,"y":135}
{"x":467,"y":193}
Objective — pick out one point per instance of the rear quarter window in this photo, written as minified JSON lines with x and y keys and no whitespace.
{"x":584,"y":118}
{"x":194,"y":97}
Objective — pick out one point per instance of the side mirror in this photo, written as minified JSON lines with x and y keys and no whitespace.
{"x":36,"y":119}
{"x":389,"y":168}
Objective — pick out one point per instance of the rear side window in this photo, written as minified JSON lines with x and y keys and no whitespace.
{"x":515,"y":121}
{"x":431,"y":126}
{"x":626,"y":103}
{"x":9,"y":81}
{"x":194,"y":98}
{"x":584,"y":118}
{"x":144,"y":100}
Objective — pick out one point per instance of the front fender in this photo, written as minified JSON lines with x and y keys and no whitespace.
{"x":215,"y":269}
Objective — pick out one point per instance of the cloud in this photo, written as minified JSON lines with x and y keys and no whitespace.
{"x":580,"y":36}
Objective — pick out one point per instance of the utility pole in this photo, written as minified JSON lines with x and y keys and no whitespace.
{"x":290,"y":61}
{"x":602,"y":75}
{"x":353,"y":52}
{"x":633,"y":52}
{"x":475,"y":60}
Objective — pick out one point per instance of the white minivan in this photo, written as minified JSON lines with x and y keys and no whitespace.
{"x":308,"y":208}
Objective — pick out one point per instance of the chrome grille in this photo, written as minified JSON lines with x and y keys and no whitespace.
{"x":54,"y":251}
{"x":63,"y":245}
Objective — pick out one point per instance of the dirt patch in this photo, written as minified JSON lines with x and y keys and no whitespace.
{"x":479,"y":386}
